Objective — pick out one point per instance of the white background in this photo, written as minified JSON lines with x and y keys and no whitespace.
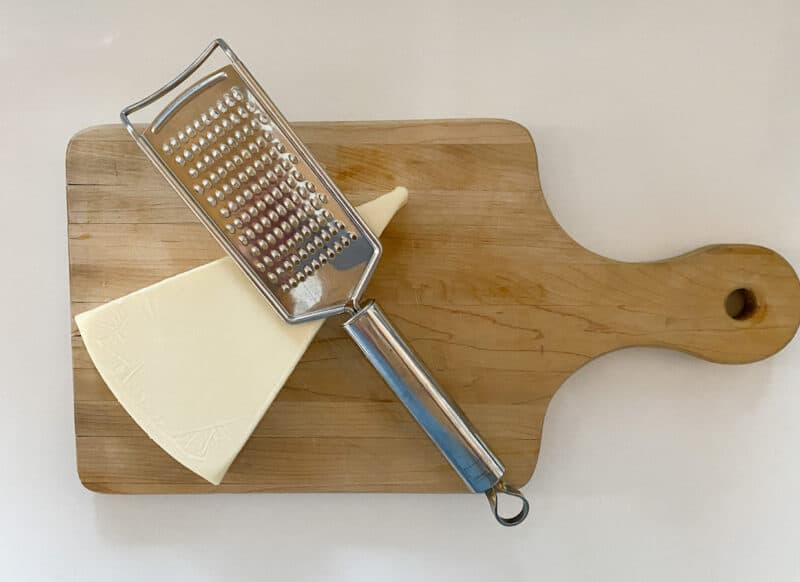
{"x":660,"y":127}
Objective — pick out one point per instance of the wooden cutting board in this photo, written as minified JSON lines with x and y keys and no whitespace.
{"x":498,"y":300}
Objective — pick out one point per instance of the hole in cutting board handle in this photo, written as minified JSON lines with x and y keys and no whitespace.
{"x":741,"y":304}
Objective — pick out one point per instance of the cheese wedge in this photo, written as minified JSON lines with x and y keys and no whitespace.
{"x":198,"y":358}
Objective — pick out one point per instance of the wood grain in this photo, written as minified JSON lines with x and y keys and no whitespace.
{"x":498,"y":300}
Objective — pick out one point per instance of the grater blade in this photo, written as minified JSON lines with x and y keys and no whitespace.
{"x":244,"y":172}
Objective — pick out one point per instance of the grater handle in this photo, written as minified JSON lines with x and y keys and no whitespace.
{"x":431,"y":407}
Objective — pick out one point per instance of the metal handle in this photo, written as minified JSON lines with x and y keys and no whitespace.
{"x":431,"y":407}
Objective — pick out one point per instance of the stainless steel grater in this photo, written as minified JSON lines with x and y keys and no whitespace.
{"x":236,"y":162}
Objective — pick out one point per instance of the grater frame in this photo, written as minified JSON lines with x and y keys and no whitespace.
{"x":348,"y":306}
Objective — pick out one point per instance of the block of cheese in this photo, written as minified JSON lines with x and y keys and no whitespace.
{"x":198,"y":358}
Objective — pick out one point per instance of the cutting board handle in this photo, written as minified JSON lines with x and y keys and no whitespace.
{"x":724,"y":303}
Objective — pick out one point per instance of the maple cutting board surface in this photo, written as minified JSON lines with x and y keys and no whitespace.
{"x":498,"y":300}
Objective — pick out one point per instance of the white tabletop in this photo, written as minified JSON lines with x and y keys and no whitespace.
{"x":660,"y":127}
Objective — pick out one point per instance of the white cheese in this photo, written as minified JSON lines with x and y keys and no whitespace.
{"x":198,"y":358}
